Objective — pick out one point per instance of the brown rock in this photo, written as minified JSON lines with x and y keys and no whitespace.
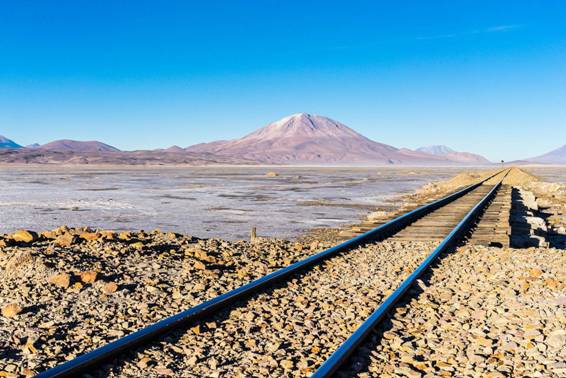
{"x":138,"y":245}
{"x":126,"y":235}
{"x":77,"y":286}
{"x":19,"y":259}
{"x":11,"y":310}
{"x":535,"y":273}
{"x":24,"y":236}
{"x":110,"y":288}
{"x":89,"y":236}
{"x":199,"y":265}
{"x":287,"y":364}
{"x":108,"y":235}
{"x":164,"y":371}
{"x":172,"y":235}
{"x":143,"y":362}
{"x":203,"y":256}
{"x":62,"y":280}
{"x":552,"y":283}
{"x":196,"y":329}
{"x":66,"y":240}
{"x":49,"y":234}
{"x":89,"y":276}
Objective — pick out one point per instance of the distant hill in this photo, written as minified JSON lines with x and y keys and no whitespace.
{"x":67,"y":145}
{"x":557,"y":156}
{"x":8,"y":143}
{"x":312,"y":139}
{"x":301,"y":139}
{"x":450,"y":154}
{"x":42,"y":156}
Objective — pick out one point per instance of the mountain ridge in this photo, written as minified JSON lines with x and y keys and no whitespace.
{"x":449,"y":153}
{"x":557,"y":156}
{"x":300,"y":138}
{"x":69,"y":145}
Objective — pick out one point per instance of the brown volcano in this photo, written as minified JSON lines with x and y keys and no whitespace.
{"x":306,"y":138}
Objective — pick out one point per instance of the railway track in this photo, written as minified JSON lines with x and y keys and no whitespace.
{"x":432,"y":229}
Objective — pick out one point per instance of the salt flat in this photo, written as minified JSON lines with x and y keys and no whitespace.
{"x":211,"y":201}
{"x":205,"y":201}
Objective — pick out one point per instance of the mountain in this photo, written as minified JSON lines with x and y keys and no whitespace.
{"x":456,"y":156}
{"x":143,"y":157}
{"x":8,"y":144}
{"x":67,"y":145}
{"x":301,"y":139}
{"x":557,"y":156}
{"x":33,"y":145}
{"x":174,"y":149}
{"x":438,"y":150}
{"x":312,"y":139}
{"x":304,"y":138}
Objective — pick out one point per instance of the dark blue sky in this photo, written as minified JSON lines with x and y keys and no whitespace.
{"x":145,"y":74}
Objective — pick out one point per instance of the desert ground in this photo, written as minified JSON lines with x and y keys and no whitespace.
{"x":481,"y":311}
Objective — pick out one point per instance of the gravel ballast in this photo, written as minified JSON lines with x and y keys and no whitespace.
{"x":288,"y":331}
{"x":483,"y":312}
{"x":75,"y":298}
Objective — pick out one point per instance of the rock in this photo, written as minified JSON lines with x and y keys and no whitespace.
{"x":287,"y":364}
{"x":126,"y":236}
{"x":199,"y":265}
{"x":76,"y":287}
{"x":89,"y":276}
{"x":535,"y":273}
{"x":11,"y":310}
{"x":108,"y":235}
{"x":66,"y":240}
{"x":163,"y":371}
{"x":18,"y":260}
{"x":203,"y":256}
{"x":62,"y":280}
{"x":196,"y":329}
{"x":552,"y":283}
{"x":24,"y":236}
{"x":272,"y":174}
{"x":556,"y":339}
{"x":138,"y":245}
{"x":89,"y":236}
{"x":142,"y":363}
{"x":406,"y":371}
{"x":109,"y":288}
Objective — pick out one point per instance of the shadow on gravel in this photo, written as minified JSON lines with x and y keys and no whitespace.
{"x":529,"y":225}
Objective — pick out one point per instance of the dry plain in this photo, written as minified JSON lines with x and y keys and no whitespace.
{"x":482,"y":311}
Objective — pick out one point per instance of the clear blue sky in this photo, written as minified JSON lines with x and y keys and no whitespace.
{"x":483,"y":76}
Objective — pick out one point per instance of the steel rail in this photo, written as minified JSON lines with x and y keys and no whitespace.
{"x":340,"y":356}
{"x":114,"y":348}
